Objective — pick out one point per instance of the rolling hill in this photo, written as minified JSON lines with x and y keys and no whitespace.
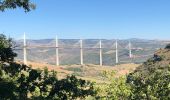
{"x":44,"y":50}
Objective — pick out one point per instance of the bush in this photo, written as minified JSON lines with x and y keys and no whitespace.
{"x":156,"y":86}
{"x":167,"y":46}
{"x":115,"y":89}
{"x":21,"y":82}
{"x":6,"y":50}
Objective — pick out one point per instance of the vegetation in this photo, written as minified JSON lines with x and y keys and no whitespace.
{"x":150,"y":81}
{"x":167,"y":46}
{"x":115,"y":88}
{"x":13,"y":4}
{"x":20,"y":82}
{"x":6,"y":52}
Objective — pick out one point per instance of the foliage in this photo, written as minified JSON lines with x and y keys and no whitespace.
{"x":156,"y":86}
{"x":20,"y":82}
{"x":167,"y":46}
{"x":151,"y":80}
{"x":116,"y":88}
{"x":71,"y":88}
{"x":27,"y":83}
{"x":74,"y":69}
{"x":12,"y":4}
{"x":6,"y":50}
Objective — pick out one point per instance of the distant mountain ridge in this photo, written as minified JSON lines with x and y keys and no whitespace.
{"x":91,"y":56}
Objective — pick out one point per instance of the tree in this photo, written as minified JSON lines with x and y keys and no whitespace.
{"x":13,"y":4}
{"x":167,"y":46}
{"x":115,"y":89}
{"x":21,"y":82}
{"x":151,"y":80}
{"x":156,"y":86}
{"x":6,"y":49}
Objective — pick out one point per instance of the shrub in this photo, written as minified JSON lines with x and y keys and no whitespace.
{"x":167,"y":46}
{"x":21,"y":82}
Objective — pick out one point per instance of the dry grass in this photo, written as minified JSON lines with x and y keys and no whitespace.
{"x":88,"y":72}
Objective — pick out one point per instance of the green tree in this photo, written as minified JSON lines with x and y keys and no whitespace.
{"x":21,"y":82}
{"x":6,"y":49}
{"x":115,"y":88}
{"x":24,"y":83}
{"x":12,"y":4}
{"x":167,"y":46}
{"x":151,"y":81}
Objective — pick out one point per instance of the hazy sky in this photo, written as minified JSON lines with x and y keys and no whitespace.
{"x":148,"y":19}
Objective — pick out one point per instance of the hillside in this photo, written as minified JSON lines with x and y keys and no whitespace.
{"x":37,"y":51}
{"x":160,"y":60}
{"x":151,"y":80}
{"x":87,"y":72}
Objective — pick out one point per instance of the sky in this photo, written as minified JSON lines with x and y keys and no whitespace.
{"x":105,"y":19}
